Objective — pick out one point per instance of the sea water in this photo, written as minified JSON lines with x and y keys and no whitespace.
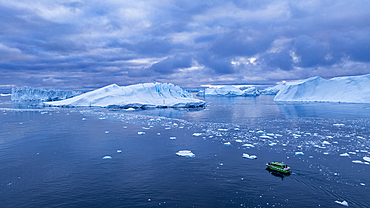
{"x":95,"y":157}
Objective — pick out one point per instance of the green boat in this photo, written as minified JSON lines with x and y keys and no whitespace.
{"x":279,"y":167}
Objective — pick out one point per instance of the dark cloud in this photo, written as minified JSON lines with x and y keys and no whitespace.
{"x":278,"y":60}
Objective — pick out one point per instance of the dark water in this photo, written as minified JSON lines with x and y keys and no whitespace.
{"x":54,"y":157}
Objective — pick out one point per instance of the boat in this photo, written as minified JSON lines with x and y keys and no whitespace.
{"x":279,"y":167}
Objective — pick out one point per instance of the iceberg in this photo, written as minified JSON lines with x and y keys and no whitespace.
{"x":227,"y":144}
{"x":252,"y":157}
{"x":248,"y":145}
{"x":4,"y":94}
{"x":351,"y":89}
{"x":344,"y":203}
{"x":200,"y":93}
{"x":134,"y":96}
{"x":272,"y":90}
{"x":25,"y":93}
{"x":344,"y":155}
{"x":299,"y":153}
{"x":107,"y":157}
{"x":185,"y":153}
{"x":231,"y":91}
{"x":366,"y":159}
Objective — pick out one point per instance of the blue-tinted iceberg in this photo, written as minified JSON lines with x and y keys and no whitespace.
{"x":134,"y":96}
{"x":231,"y":91}
{"x":351,"y":89}
{"x":41,"y":94}
{"x":272,"y":90}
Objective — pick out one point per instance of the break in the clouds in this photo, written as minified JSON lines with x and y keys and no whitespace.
{"x":88,"y":44}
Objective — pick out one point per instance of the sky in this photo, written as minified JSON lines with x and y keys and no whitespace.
{"x":78,"y":44}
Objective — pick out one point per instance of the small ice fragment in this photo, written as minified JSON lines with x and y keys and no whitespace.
{"x":107,"y":157}
{"x":362,"y":184}
{"x":158,"y":134}
{"x":146,"y":128}
{"x":167,"y":128}
{"x":357,"y":161}
{"x":260,"y":132}
{"x":223,"y":129}
{"x":325,"y":143}
{"x":270,"y":134}
{"x":197,"y":134}
{"x":330,"y":137}
{"x":236,"y":129}
{"x":125,"y":127}
{"x":272,"y":144}
{"x":102,"y":118}
{"x":107,"y":132}
{"x":185,"y":153}
{"x":265,"y":137}
{"x":21,"y":123}
{"x":352,"y":153}
{"x":149,"y":200}
{"x":239,"y":141}
{"x":119,"y":151}
{"x":152,"y":119}
{"x":227,"y":144}
{"x":158,"y":120}
{"x":311,"y":156}
{"x":84,"y":119}
{"x":140,"y":133}
{"x":130,"y":109}
{"x":366,"y":159}
{"x":338,"y":125}
{"x":335,"y":142}
{"x":344,"y":203}
{"x":344,"y":155}
{"x":363,"y":150}
{"x":248,"y":145}
{"x":172,"y":138}
{"x":299,"y":153}
{"x":326,"y":153}
{"x":252,"y":157}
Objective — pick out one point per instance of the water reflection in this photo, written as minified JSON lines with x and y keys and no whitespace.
{"x":278,"y":174}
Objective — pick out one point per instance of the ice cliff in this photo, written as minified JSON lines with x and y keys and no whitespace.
{"x":134,"y":96}
{"x":351,"y":89}
{"x":231,"y":91}
{"x":25,"y":93}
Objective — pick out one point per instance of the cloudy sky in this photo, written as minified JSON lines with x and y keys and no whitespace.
{"x":86,"y":44}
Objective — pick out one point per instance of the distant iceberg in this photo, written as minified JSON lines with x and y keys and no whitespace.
{"x":200,"y":93}
{"x":272,"y":90}
{"x":25,"y":93}
{"x":231,"y":91}
{"x":134,"y":96}
{"x":351,"y":89}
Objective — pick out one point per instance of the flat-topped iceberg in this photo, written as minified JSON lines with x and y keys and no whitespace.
{"x":134,"y":96}
{"x":25,"y":93}
{"x":231,"y":91}
{"x":351,"y":89}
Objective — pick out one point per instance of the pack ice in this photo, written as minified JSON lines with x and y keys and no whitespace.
{"x":25,"y":93}
{"x":137,"y":96}
{"x":231,"y":91}
{"x":351,"y":89}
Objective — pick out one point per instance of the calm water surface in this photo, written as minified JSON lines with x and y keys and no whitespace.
{"x":53,"y":157}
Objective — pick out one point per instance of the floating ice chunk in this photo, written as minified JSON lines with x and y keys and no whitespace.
{"x":278,"y":135}
{"x":158,"y":120}
{"x":360,"y":137}
{"x":362,"y":184}
{"x":358,"y":162}
{"x":248,"y":145}
{"x":197,"y":134}
{"x":265,"y":137}
{"x":325,"y":143}
{"x":125,"y":127}
{"x":102,"y":118}
{"x":140,"y":133}
{"x":299,"y":153}
{"x":311,"y":156}
{"x":167,"y":128}
{"x":223,"y":129}
{"x":146,"y":128}
{"x":272,"y":144}
{"x":330,"y":137}
{"x":270,"y":134}
{"x":260,"y":132}
{"x":338,"y":125}
{"x":363,"y":150}
{"x":84,"y":119}
{"x":158,"y":134}
{"x":172,"y":138}
{"x":252,"y":157}
{"x":107,"y":157}
{"x":130,"y":109}
{"x":185,"y":153}
{"x":344,"y":155}
{"x":236,"y":129}
{"x":296,"y":136}
{"x":152,"y":119}
{"x":227,"y":144}
{"x":107,"y":132}
{"x":119,"y":151}
{"x":352,"y":153}
{"x":344,"y":203}
{"x":366,"y":159}
{"x":326,"y":153}
{"x":239,"y":141}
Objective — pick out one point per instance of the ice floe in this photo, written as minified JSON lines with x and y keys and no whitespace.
{"x":299,"y":153}
{"x":252,"y":157}
{"x":344,"y":155}
{"x":197,"y":134}
{"x":366,"y":159}
{"x":185,"y":153}
{"x":239,"y":141}
{"x":172,"y":138}
{"x":119,"y":151}
{"x":107,"y":157}
{"x":248,"y":145}
{"x":227,"y":144}
{"x":140,"y":133}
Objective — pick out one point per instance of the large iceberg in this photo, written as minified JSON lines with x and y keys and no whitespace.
{"x":231,"y":91}
{"x":273,"y":90}
{"x":351,"y":89}
{"x":25,"y":93}
{"x":133,"y":96}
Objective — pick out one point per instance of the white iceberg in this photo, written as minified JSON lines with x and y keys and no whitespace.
{"x":239,"y":141}
{"x":248,"y":145}
{"x":134,"y":96}
{"x":366,"y":159}
{"x":325,"y":143}
{"x":252,"y":157}
{"x":344,"y":203}
{"x":231,"y":91}
{"x":172,"y":138}
{"x":119,"y":151}
{"x":351,"y":89}
{"x":197,"y":134}
{"x":185,"y":153}
{"x":344,"y":155}
{"x":25,"y":93}
{"x":272,"y":90}
{"x":227,"y":144}
{"x":107,"y":157}
{"x":265,"y":137}
{"x":299,"y":153}
{"x":338,"y":125}
{"x":4,"y":94}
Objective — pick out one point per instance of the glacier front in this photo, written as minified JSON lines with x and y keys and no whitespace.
{"x":24,"y":93}
{"x":349,"y":89}
{"x":134,"y":96}
{"x":231,"y":91}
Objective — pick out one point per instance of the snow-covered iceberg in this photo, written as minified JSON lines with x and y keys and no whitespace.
{"x":351,"y":89}
{"x":231,"y":91}
{"x":272,"y":90}
{"x":25,"y":93}
{"x":200,"y":93}
{"x":134,"y":96}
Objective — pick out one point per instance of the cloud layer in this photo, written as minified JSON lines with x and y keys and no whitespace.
{"x":78,"y":44}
